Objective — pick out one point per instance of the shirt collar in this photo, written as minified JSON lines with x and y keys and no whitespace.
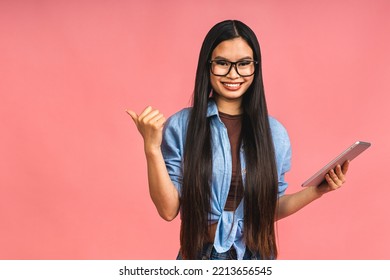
{"x":212,"y":108}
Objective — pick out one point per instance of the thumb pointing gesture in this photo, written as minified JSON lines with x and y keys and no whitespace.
{"x":150,"y":124}
{"x":134,"y":116}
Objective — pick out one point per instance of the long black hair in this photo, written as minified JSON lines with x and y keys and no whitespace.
{"x":260,"y":195}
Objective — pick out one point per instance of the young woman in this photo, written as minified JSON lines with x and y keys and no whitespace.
{"x":222,"y":162}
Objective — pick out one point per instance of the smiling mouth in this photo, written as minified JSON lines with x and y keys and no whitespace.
{"x":232,"y":86}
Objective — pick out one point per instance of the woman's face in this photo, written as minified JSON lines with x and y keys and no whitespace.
{"x":230,"y":88}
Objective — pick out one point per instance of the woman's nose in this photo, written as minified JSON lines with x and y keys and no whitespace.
{"x":233,"y":74}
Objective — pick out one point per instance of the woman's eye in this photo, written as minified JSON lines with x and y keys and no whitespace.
{"x":244,"y":63}
{"x":221,"y":62}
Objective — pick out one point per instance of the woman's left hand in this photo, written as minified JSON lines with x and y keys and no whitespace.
{"x":334,"y":179}
{"x":291,"y":203}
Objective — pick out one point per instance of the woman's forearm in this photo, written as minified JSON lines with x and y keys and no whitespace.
{"x":291,"y":203}
{"x":162,"y":191}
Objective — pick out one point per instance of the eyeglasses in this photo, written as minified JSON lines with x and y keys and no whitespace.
{"x":244,"y":68}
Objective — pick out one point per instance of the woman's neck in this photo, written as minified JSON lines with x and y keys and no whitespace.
{"x":230,"y":107}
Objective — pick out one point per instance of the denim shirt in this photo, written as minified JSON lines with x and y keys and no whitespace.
{"x":230,"y":225}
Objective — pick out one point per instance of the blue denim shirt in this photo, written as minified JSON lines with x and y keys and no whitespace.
{"x":230,"y":225}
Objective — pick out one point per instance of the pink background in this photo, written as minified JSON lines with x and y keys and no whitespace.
{"x":72,"y":171}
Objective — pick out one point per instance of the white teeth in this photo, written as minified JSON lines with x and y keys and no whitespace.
{"x":232,"y":85}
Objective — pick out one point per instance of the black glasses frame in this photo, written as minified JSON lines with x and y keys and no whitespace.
{"x":231,"y":65}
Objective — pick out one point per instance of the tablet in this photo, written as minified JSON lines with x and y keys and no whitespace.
{"x":349,"y":154}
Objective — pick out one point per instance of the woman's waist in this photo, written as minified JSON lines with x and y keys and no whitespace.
{"x":225,"y":230}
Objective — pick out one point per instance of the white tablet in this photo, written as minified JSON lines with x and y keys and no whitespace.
{"x":349,"y":154}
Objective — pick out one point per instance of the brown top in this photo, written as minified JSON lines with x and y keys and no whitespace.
{"x":236,"y":192}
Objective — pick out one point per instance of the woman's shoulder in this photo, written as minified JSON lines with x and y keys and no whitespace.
{"x":180,"y":117}
{"x":276,"y":124}
{"x":177,"y":123}
{"x":182,"y":113}
{"x":279,"y":132}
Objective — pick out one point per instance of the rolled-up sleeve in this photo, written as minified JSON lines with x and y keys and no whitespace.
{"x":172,"y":147}
{"x":285,"y":165}
{"x":282,"y":153}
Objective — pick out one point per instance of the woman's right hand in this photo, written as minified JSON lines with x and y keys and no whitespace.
{"x":164,"y":194}
{"x":150,"y":125}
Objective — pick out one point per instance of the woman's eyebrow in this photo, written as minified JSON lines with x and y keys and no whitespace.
{"x":224,"y":58}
